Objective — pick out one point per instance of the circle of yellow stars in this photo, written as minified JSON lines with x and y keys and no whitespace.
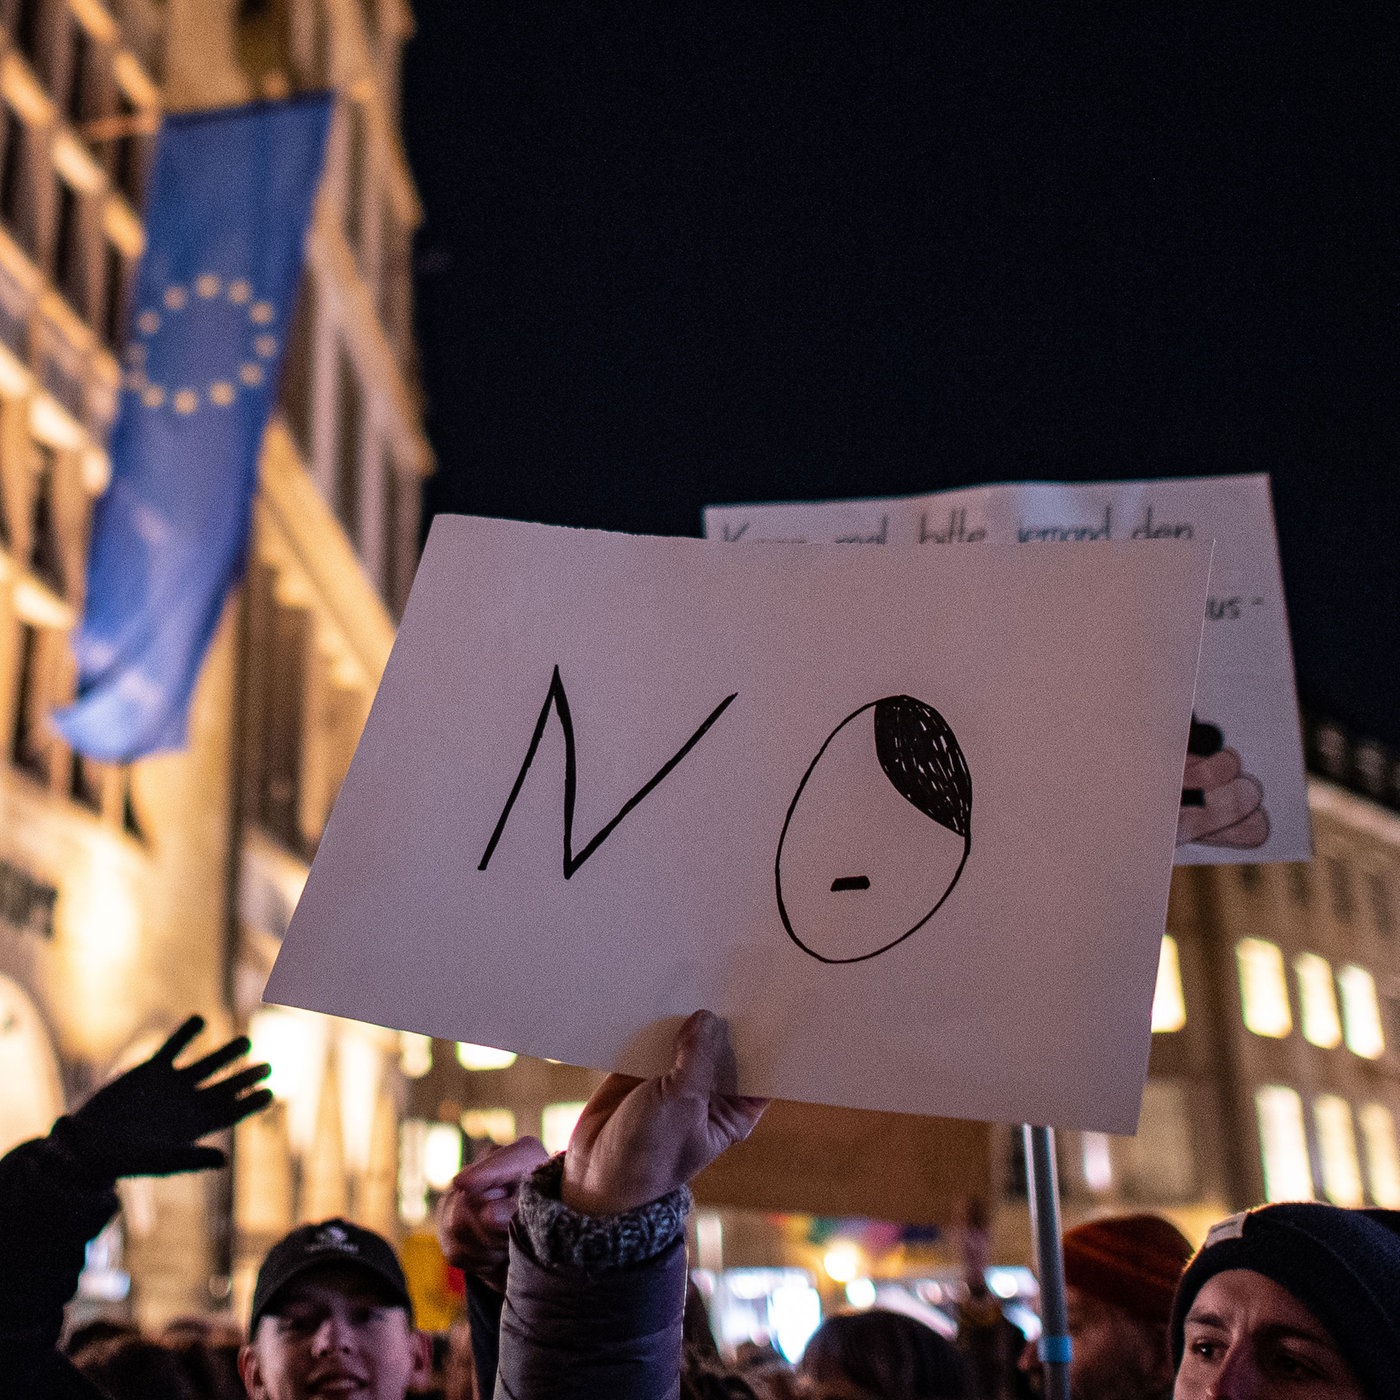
{"x":251,"y":371}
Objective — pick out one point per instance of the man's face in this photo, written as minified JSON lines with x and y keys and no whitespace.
{"x":335,"y":1336}
{"x":1115,"y":1356}
{"x":1249,"y":1339}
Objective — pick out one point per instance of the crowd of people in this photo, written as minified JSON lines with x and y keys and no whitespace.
{"x":578,"y":1283}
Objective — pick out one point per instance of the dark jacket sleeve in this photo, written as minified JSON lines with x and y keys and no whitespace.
{"x":50,"y":1207}
{"x":594,"y":1306}
{"x":484,"y":1318}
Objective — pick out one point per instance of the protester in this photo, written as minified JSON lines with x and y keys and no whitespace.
{"x":331,"y":1316}
{"x":57,"y":1192}
{"x":1121,"y":1274}
{"x":1292,"y":1302}
{"x":879,"y":1355}
{"x":595,"y":1283}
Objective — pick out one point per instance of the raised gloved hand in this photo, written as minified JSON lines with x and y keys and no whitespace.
{"x":147,"y":1121}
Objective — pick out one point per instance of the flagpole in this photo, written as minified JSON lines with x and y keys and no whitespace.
{"x":1044,"y":1195}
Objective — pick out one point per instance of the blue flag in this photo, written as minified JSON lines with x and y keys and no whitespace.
{"x":230,"y":198}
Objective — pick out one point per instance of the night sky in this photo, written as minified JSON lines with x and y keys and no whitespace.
{"x":690,"y":253}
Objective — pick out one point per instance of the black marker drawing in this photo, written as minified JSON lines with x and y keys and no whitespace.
{"x":877,"y":834}
{"x":557,"y":699}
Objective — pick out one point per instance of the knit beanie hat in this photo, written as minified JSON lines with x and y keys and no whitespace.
{"x":1132,"y":1261}
{"x":1342,"y":1265}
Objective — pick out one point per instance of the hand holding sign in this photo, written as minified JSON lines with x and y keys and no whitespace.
{"x":1220,"y":804}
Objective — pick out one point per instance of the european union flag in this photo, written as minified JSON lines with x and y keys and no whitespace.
{"x":230,"y":197}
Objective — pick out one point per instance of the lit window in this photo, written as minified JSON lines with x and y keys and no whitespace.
{"x":1263,"y":987}
{"x":1283,"y":1142}
{"x":415,"y":1054}
{"x":1336,"y":1137}
{"x":1168,"y":1004}
{"x":413,"y":1184}
{"x":492,"y":1124}
{"x":442,"y":1155}
{"x":1098,"y":1162}
{"x":557,"y":1124}
{"x":1361,"y":1012}
{"x":483,"y":1057}
{"x":1321,"y":1024}
{"x":1382,"y":1154}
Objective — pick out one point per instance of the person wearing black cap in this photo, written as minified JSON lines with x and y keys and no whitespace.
{"x":1292,"y":1302}
{"x":332,"y":1317}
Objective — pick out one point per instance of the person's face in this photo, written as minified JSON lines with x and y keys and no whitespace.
{"x":1114,"y":1356}
{"x":1247,"y":1338}
{"x":859,"y":866}
{"x":334,"y":1337}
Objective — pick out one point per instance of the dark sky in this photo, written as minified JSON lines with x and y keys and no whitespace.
{"x":688,"y":253}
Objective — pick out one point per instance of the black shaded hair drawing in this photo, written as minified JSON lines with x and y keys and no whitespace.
{"x":860,"y":914}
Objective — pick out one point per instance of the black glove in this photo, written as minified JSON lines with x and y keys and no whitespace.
{"x":146,"y":1122}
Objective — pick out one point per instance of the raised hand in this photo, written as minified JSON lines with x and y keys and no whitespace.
{"x":147,"y":1121}
{"x":474,"y":1222}
{"x":639,"y":1139}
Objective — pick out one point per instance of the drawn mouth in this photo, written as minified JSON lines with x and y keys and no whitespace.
{"x":850,"y":882}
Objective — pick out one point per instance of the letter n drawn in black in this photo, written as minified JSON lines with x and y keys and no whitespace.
{"x":557,"y":699}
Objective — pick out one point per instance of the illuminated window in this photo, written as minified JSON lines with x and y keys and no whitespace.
{"x":1382,"y":1154}
{"x":415,"y":1054}
{"x":1263,"y":987}
{"x":1321,"y":1024}
{"x":442,"y":1155}
{"x":492,"y":1124}
{"x":1098,"y":1162}
{"x":483,"y":1057}
{"x":1283,"y":1143}
{"x":1336,"y":1137}
{"x":557,"y":1124}
{"x":1168,"y":1004}
{"x":1361,"y":1012}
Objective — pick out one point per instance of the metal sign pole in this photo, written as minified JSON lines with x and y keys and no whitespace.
{"x":1044,"y":1193}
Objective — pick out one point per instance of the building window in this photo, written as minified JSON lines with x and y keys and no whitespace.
{"x":1283,"y":1144}
{"x":16,"y":208}
{"x":349,"y":427}
{"x":1162,"y":1157}
{"x":126,"y":161}
{"x":1251,"y":877}
{"x":1361,"y":1012}
{"x":1382,"y":1154}
{"x":80,"y":99}
{"x":489,"y":1125}
{"x":1168,"y":1003}
{"x":31,"y":741}
{"x":1336,"y":1140}
{"x":354,"y":175}
{"x":1317,"y":1000}
{"x":1263,"y":988}
{"x":1382,"y":911}
{"x":1300,"y":878}
{"x":70,"y":250}
{"x":295,"y":392}
{"x":1339,"y":885}
{"x":28,"y":29}
{"x":114,"y":293}
{"x":557,"y":1124}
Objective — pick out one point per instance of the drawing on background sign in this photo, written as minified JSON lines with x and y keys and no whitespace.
{"x":851,"y":890}
{"x":1221,"y":805}
{"x":557,"y":699}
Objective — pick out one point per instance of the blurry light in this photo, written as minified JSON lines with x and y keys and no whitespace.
{"x":1382,"y":1154}
{"x":1003,"y":1283}
{"x":1263,"y":988}
{"x":557,"y":1124}
{"x":294,"y":1044}
{"x":413,"y":1181}
{"x":442,"y":1155}
{"x":1321,"y":1024}
{"x":495,"y":1124}
{"x":1168,"y":1002}
{"x":1283,"y":1142}
{"x":842,"y":1262}
{"x":415,"y":1054}
{"x":483,"y":1057}
{"x":1361,"y":1012}
{"x":1098,"y":1167}
{"x":860,"y":1293}
{"x":357,"y":1076}
{"x":1336,"y":1139}
{"x":709,"y":1240}
{"x":794,"y":1313}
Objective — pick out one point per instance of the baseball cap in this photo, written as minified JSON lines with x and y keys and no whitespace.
{"x":331,"y":1242}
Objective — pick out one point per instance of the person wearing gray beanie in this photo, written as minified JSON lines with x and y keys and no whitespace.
{"x":1298,"y":1300}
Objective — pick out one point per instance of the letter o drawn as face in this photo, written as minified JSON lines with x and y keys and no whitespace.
{"x":877,"y":833}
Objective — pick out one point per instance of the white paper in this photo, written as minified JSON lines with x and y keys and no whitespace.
{"x":1244,"y":789}
{"x":1014,"y":984}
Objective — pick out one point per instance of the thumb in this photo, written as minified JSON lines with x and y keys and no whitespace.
{"x":167,"y":1161}
{"x":704,"y":1062}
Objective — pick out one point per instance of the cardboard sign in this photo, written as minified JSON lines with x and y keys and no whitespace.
{"x":905,"y":822}
{"x":1244,"y":791}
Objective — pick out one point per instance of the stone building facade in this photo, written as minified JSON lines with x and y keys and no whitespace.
{"x":130,"y":895}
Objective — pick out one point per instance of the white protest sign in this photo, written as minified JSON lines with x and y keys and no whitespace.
{"x":1244,"y":792}
{"x":906,"y":823}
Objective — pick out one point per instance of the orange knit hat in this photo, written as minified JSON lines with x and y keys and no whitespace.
{"x":1132,"y":1261}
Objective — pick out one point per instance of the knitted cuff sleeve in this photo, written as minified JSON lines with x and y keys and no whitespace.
{"x":560,"y":1237}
